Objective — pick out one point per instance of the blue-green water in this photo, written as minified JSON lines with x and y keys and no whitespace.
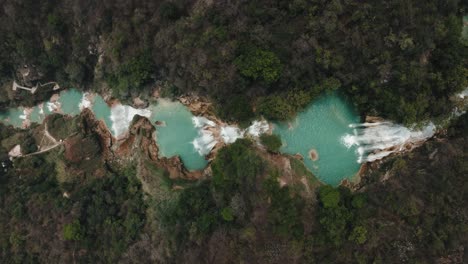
{"x":173,"y":139}
{"x":321,"y":127}
{"x":69,"y":101}
{"x":12,"y":116}
{"x":101,"y":110}
{"x":176,"y":135}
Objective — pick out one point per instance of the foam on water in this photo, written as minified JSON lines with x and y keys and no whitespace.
{"x":122,"y":116}
{"x":53,"y":106}
{"x":230,"y":134}
{"x":85,"y":102}
{"x":463,"y":94}
{"x":200,"y":122}
{"x":258,"y":127}
{"x":374,"y":140}
{"x":205,"y":142}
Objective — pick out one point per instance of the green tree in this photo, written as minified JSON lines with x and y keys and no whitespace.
{"x":259,"y":64}
{"x":226,"y":213}
{"x":329,"y":196}
{"x":275,"y":107}
{"x":235,"y":169}
{"x":73,"y":231}
{"x":359,"y":235}
{"x":133,"y":73}
{"x":284,"y":213}
{"x":271,"y":142}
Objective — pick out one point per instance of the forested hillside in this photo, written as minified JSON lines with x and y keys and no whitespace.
{"x":94,"y":198}
{"x":56,"y":209}
{"x":399,"y":59}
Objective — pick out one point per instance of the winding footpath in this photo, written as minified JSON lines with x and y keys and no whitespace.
{"x":46,"y":134}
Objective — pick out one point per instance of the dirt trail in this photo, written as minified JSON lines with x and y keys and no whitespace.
{"x":44,"y":150}
{"x":46,"y":133}
{"x":51,"y":138}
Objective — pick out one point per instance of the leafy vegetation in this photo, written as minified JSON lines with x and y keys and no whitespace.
{"x":133,"y":73}
{"x":271,"y":142}
{"x":102,"y":216}
{"x":259,"y":65}
{"x":284,"y":214}
{"x":401,"y":60}
{"x":73,"y":231}
{"x":248,"y":210}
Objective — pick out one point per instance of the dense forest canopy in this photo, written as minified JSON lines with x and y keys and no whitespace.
{"x":411,"y":209}
{"x":88,"y":202}
{"x":397,"y":59}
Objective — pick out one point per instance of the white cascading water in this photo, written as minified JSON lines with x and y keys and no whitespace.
{"x":377,"y":140}
{"x":200,"y":122}
{"x":24,"y":115}
{"x":230,"y":134}
{"x":463,"y":94}
{"x":206,"y":141}
{"x":122,"y":116}
{"x":85,"y":102}
{"x":52,"y":106}
{"x":257,"y":128}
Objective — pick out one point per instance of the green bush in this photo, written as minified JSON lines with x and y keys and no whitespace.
{"x":226,"y":213}
{"x":259,"y":64}
{"x":133,"y":73}
{"x":193,"y":215}
{"x":284,"y":213}
{"x":235,"y":169}
{"x":275,"y":107}
{"x":271,"y":142}
{"x":359,"y":235}
{"x":329,"y":196}
{"x":73,"y":231}
{"x":236,"y":108}
{"x":28,"y":145}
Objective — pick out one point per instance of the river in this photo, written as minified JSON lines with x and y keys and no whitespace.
{"x":324,"y":134}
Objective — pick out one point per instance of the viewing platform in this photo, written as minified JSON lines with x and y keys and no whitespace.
{"x":34,"y":89}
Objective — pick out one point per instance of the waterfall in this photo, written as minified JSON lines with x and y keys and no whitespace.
{"x":463,"y":94}
{"x":200,"y":122}
{"x":230,"y":134}
{"x":122,"y":116}
{"x":204,"y":143}
{"x":206,"y":140}
{"x":257,"y":128}
{"x":377,"y":140}
{"x":85,"y":102}
{"x":52,"y":106}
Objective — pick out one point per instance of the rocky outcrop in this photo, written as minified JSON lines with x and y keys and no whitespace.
{"x":141,"y":143}
{"x":199,"y":106}
{"x":98,"y":127}
{"x":374,"y":119}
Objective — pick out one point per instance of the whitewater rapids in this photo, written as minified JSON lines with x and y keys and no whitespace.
{"x":375,"y":141}
{"x":122,"y":116}
{"x":206,"y":141}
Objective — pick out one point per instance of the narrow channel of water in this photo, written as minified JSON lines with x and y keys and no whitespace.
{"x":173,"y":138}
{"x":325,"y":134}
